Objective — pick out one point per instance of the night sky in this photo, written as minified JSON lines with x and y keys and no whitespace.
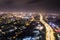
{"x":30,"y":5}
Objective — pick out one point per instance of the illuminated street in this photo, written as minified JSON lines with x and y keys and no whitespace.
{"x":49,"y":30}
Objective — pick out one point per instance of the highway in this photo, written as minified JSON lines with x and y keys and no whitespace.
{"x":49,"y":30}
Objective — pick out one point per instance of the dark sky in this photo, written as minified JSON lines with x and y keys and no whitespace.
{"x":31,"y":5}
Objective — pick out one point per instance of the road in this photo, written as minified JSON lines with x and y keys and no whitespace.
{"x":49,"y":30}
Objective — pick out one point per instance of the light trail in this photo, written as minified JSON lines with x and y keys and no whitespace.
{"x":49,"y":30}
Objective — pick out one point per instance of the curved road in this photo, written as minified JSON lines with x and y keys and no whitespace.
{"x":49,"y":30}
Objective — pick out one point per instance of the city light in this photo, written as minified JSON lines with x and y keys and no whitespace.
{"x":34,"y":26}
